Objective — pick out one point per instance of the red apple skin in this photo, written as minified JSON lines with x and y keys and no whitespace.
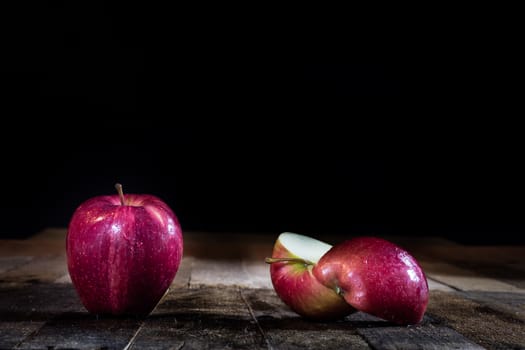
{"x":122,"y":258}
{"x":377,"y":277}
{"x":296,"y":286}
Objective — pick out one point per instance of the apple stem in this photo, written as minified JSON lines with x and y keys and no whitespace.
{"x":297,"y":260}
{"x":120,"y":193}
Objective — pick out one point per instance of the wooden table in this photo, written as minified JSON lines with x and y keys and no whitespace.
{"x":222,"y":298}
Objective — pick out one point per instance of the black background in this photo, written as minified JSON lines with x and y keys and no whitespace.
{"x":261,"y":122}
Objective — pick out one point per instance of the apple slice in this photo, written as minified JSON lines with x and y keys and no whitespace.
{"x":377,"y":277}
{"x":292,"y":261}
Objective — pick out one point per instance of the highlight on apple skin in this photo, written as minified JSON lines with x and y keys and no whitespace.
{"x":377,"y":277}
{"x":293,"y":258}
{"x":123,"y":252}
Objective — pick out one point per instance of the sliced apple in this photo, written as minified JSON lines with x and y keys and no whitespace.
{"x":377,"y":277}
{"x":292,"y":261}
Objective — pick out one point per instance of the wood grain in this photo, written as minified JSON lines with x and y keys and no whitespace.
{"x":80,"y":330}
{"x":40,"y":269}
{"x":231,"y":272}
{"x":284,"y":329}
{"x":427,"y":337}
{"x":25,"y":308}
{"x":481,"y":323}
{"x":506,"y":302}
{"x":183,"y":275}
{"x":11,"y":262}
{"x":200,"y":318}
{"x":466,"y":280}
{"x":222,"y":297}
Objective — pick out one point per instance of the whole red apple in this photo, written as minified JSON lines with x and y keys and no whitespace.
{"x":377,"y":277}
{"x":292,"y":261}
{"x":123,"y":252}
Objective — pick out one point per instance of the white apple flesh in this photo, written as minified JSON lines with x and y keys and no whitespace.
{"x":293,"y":259}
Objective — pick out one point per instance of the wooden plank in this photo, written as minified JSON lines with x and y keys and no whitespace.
{"x":228,"y":245}
{"x":509,"y":273}
{"x":232,"y":272}
{"x":39,"y":270}
{"x":227,"y":292}
{"x":426,"y":337}
{"x":80,"y":330}
{"x":284,"y":329}
{"x":41,"y":316}
{"x":200,"y":318}
{"x":503,"y":263}
{"x":510,"y":303}
{"x":12,"y":247}
{"x":65,"y":279}
{"x":13,"y":332}
{"x":323,"y":338}
{"x":435,"y":285}
{"x":208,"y":272}
{"x":265,"y":304}
{"x":183,"y":276}
{"x":24,"y":309}
{"x":465,"y":280}
{"x":158,"y":333}
{"x":258,"y":274}
{"x":10,"y":262}
{"x":480,"y":323}
{"x":287,"y":330}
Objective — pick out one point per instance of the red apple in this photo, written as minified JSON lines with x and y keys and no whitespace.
{"x":377,"y":277}
{"x":292,"y":261}
{"x":123,"y":252}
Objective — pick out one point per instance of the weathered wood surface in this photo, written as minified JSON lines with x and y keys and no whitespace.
{"x":414,"y":338}
{"x":201,"y":318}
{"x":479,"y":321}
{"x":222,"y":298}
{"x":25,"y":309}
